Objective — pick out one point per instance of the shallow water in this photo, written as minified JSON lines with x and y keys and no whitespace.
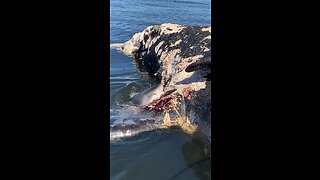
{"x":160,"y":154}
{"x":165,"y":154}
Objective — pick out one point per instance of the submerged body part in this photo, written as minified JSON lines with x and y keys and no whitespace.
{"x":148,"y":95}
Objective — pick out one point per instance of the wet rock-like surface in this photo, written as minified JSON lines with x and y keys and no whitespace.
{"x":180,"y":57}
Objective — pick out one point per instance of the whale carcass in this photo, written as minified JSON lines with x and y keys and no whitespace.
{"x":180,"y":58}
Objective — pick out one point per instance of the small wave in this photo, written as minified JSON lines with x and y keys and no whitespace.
{"x":119,"y":134}
{"x":130,"y":121}
{"x":130,"y":128}
{"x":190,"y":2}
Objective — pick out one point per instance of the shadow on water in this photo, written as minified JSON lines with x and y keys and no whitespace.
{"x":160,"y":154}
{"x":196,"y":153}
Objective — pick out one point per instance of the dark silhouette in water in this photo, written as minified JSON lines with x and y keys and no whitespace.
{"x":192,"y":165}
{"x":197,"y":158}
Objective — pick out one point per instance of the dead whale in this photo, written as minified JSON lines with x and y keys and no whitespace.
{"x":182,"y":55}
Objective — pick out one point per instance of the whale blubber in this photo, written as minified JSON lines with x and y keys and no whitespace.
{"x":166,"y":121}
{"x":181,"y":122}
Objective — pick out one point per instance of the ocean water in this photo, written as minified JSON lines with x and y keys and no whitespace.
{"x":160,"y":154}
